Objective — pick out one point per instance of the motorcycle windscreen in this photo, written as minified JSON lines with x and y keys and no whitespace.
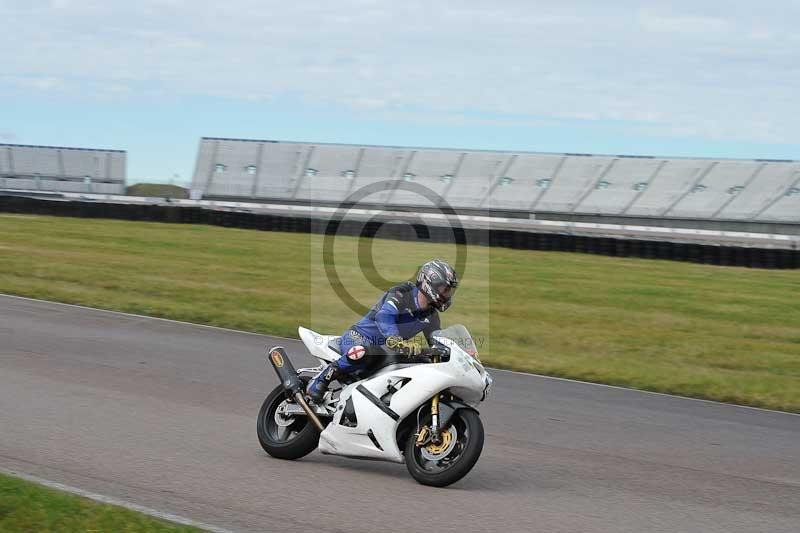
{"x":459,"y":334}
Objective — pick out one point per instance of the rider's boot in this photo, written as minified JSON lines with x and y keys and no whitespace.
{"x":319,"y":384}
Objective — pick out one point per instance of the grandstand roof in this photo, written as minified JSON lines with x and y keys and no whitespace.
{"x":478,"y":150}
{"x":62,"y":148}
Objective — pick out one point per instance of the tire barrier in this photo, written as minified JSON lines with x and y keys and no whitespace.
{"x":751,"y":257}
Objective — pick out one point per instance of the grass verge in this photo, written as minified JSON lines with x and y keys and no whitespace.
{"x":721,"y":333}
{"x":25,"y":506}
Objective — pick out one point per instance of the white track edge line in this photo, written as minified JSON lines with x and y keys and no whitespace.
{"x":122,"y":313}
{"x":529,"y":374}
{"x":115,"y":501}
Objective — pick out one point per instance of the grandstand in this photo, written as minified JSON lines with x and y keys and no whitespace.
{"x":718,"y":211}
{"x":59,"y":169}
{"x":745,"y":195}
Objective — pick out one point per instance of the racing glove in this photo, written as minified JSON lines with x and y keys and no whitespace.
{"x":409,"y":347}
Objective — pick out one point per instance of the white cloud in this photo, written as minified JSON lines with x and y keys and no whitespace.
{"x":722,"y":70}
{"x":36,"y":82}
{"x":7,"y":135}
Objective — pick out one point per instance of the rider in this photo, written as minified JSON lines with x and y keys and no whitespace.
{"x":400,"y":314}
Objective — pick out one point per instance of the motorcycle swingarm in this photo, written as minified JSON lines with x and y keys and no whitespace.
{"x":292,"y":409}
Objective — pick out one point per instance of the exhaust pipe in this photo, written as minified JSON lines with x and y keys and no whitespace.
{"x":291,"y":382}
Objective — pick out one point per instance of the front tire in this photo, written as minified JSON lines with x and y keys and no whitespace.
{"x":448,"y":466}
{"x":281,"y":437}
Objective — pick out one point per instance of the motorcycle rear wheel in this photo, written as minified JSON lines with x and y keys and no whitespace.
{"x":454,"y":464}
{"x":296,"y":439}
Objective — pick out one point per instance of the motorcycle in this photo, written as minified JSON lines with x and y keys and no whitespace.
{"x":420,"y":411}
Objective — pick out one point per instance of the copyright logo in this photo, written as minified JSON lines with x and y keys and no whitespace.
{"x":349,"y":219}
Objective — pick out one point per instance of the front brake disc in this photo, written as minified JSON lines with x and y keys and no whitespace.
{"x":436,"y":452}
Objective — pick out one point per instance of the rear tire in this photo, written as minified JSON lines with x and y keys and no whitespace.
{"x":292,"y":441}
{"x":456,"y":464}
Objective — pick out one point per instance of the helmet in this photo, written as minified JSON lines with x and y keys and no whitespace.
{"x":437,"y":281}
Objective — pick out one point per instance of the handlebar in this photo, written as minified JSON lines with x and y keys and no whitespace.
{"x":439,"y":350}
{"x":434,"y":350}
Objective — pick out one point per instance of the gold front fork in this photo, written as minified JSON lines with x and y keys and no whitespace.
{"x":432,"y":432}
{"x":435,"y":408}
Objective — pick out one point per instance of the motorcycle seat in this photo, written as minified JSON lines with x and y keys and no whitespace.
{"x":380,"y":356}
{"x":335,"y":344}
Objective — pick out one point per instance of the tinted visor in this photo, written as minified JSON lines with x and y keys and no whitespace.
{"x":445,"y":293}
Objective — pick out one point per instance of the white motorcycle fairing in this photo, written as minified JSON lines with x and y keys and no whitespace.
{"x":367,"y":427}
{"x":318,"y":344}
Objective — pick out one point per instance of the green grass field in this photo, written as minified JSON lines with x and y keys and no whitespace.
{"x":721,"y":333}
{"x":25,"y":506}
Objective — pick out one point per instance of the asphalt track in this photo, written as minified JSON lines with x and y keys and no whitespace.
{"x":162,"y":414}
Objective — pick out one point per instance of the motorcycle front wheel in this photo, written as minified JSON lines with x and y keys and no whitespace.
{"x":442,"y":464}
{"x":284,"y":437}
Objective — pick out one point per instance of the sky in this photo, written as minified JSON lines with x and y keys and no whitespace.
{"x":671,"y":78}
